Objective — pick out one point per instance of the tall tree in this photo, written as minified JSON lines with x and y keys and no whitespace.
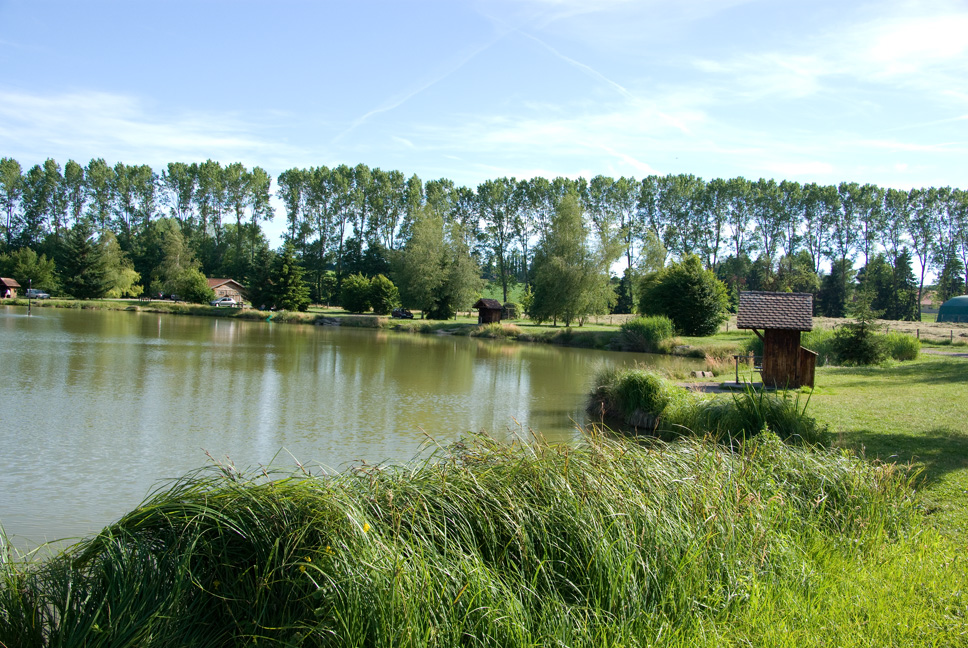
{"x":571,"y":279}
{"x":921,"y":228}
{"x":498,"y":208}
{"x":11,"y":191}
{"x":75,"y":192}
{"x":83,"y":264}
{"x":100,"y":191}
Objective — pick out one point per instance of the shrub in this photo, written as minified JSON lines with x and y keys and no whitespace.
{"x":645,"y":333}
{"x":511,"y":310}
{"x":384,"y":296}
{"x":192,"y":286}
{"x":691,"y":296}
{"x":355,"y":294}
{"x":901,"y":346}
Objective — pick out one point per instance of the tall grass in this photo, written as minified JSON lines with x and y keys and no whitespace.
{"x":647,"y":402}
{"x":484,"y":544}
{"x":645,"y":334}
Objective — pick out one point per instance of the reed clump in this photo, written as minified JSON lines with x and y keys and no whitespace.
{"x":484,"y":543}
{"x":497,"y":330}
{"x":647,"y":402}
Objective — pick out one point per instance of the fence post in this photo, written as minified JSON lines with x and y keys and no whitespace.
{"x":919,"y":334}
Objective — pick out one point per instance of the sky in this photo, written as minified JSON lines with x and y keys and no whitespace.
{"x":821,"y":91}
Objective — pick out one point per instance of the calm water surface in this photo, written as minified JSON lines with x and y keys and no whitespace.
{"x":98,"y":407}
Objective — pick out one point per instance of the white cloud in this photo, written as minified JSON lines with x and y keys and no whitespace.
{"x":84,"y":124}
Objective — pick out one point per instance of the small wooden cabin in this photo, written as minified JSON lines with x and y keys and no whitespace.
{"x":488,"y":310}
{"x":8,"y":288}
{"x":227,"y":288}
{"x":781,"y":317}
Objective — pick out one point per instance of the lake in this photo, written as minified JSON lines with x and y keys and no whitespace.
{"x":97,"y":408}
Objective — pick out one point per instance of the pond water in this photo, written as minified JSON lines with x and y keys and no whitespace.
{"x":97,"y":408}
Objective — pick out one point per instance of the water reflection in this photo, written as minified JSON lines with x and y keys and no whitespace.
{"x":97,"y":407}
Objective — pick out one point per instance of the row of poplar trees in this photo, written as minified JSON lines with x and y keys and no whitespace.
{"x":343,"y":220}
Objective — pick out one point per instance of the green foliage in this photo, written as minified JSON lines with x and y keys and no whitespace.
{"x":607,"y":543}
{"x":192,"y":286}
{"x":836,"y":290}
{"x":642,"y":399}
{"x":435,"y":271}
{"x":570,"y":279}
{"x":384,"y":296}
{"x":951,"y":281}
{"x":511,"y":311}
{"x":355,"y":294}
{"x":641,"y":390}
{"x":29,"y":269}
{"x":288,"y":291}
{"x":902,"y":347}
{"x":857,"y":342}
{"x":645,"y":334}
{"x":741,"y":416}
{"x":692,"y":297}
{"x":83,"y":264}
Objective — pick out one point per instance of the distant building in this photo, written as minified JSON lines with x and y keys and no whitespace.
{"x":8,"y":288}
{"x":781,"y":316}
{"x":488,"y":310}
{"x":227,"y":288}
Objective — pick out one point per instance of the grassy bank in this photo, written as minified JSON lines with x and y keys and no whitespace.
{"x":609,"y":543}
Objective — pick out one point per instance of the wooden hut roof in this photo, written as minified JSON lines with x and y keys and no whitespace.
{"x":9,"y":283}
{"x":775,"y":310}
{"x":489,"y":304}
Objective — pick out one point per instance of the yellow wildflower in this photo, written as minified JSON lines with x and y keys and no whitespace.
{"x":366,"y":527}
{"x":302,"y":569}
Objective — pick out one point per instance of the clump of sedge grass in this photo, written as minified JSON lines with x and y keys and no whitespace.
{"x":645,"y":401}
{"x":645,"y":334}
{"x":497,"y":330}
{"x":485,"y":543}
{"x":901,"y":346}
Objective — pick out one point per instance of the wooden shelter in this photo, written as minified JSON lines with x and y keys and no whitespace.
{"x":488,"y":310}
{"x":8,"y":288}
{"x":781,"y":316}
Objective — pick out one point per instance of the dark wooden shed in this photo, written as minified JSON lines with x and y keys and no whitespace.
{"x":781,"y":316}
{"x":488,"y":310}
{"x":8,"y":288}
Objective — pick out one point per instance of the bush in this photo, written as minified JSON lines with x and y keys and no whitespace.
{"x":645,"y":333}
{"x":692,"y":297}
{"x":511,"y":310}
{"x":192,"y":286}
{"x":355,"y":294}
{"x":384,"y":296}
{"x":901,"y":346}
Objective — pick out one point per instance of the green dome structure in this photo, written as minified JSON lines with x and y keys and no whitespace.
{"x":954,"y":310}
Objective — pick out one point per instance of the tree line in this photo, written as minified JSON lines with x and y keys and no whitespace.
{"x":436,"y":236}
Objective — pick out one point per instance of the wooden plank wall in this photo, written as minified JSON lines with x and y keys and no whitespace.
{"x":781,"y":358}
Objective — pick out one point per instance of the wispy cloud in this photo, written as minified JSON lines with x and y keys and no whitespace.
{"x":99,"y":124}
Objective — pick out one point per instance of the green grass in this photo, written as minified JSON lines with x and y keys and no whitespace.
{"x":608,"y":543}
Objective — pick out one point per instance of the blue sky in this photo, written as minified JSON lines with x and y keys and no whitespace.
{"x":820,"y":91}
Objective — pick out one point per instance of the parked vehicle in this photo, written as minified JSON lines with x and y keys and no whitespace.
{"x":33,"y":293}
{"x":401,"y":313}
{"x":224,"y":301}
